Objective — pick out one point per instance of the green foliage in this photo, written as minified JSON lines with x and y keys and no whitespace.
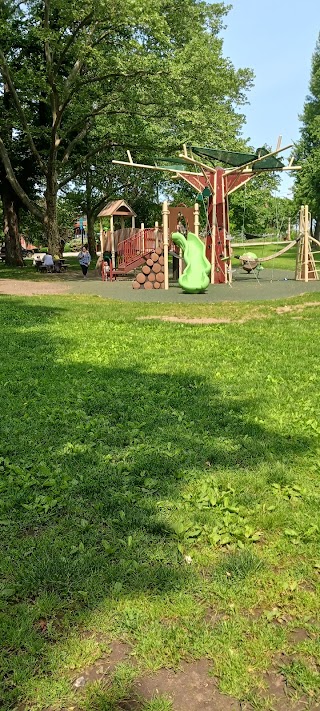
{"x":307,"y":184}
{"x":256,"y":209}
{"x":78,"y":100}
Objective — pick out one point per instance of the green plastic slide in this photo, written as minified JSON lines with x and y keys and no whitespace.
{"x":195,"y":276}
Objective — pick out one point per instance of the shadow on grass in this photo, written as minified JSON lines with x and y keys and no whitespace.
{"x":90,"y":456}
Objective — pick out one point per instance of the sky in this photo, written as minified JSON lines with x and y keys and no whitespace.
{"x":275,"y":38}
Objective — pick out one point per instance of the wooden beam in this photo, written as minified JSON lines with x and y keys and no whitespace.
{"x":201,"y":165}
{"x":151,"y":167}
{"x":279,"y":143}
{"x":130,"y":157}
{"x":263,"y":170}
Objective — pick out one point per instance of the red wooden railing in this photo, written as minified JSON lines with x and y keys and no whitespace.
{"x":139,"y":244}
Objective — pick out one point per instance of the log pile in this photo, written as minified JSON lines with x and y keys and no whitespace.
{"x":151,"y":275}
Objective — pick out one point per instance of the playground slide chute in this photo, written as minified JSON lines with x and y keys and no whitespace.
{"x":195,"y":276}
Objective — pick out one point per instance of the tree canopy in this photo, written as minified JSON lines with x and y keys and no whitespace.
{"x":307,"y":184}
{"x":87,"y":80}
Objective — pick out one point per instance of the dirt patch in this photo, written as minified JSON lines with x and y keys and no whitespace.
{"x":252,"y":316}
{"x":202,"y":321}
{"x":183,"y":319}
{"x":276,"y":691}
{"x":213,"y":617}
{"x":102,"y":668}
{"x":298,"y":635}
{"x":13,"y":287}
{"x":297,"y":307}
{"x":255,"y":613}
{"x":190,"y":688}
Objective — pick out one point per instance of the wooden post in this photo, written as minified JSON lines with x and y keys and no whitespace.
{"x":156,"y":233}
{"x":133,"y":222}
{"x":306,"y":242}
{"x":229,"y":262}
{"x":196,"y":219}
{"x":289,"y":229}
{"x":165,"y":223}
{"x":142,"y":237}
{"x":224,"y":232}
{"x":214,"y":229}
{"x":113,"y":254}
{"x":180,"y":262}
{"x":101,"y":237}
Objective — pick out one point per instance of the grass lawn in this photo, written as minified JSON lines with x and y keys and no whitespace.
{"x":30,"y":272}
{"x":159,"y":489}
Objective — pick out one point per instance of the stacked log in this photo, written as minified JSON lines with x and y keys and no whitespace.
{"x":151,"y":275}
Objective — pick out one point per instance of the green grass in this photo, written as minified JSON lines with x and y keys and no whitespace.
{"x":30,"y":272}
{"x":159,"y":485}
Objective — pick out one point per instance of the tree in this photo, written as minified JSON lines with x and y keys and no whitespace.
{"x":307,"y":183}
{"x":101,"y":73}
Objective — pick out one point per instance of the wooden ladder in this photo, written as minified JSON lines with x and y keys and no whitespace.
{"x":306,"y":269}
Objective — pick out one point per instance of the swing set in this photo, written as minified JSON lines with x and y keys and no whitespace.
{"x":201,"y":168}
{"x":306,"y":264}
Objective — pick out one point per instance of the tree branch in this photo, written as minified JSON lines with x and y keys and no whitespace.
{"x":21,"y":114}
{"x":86,"y":21}
{"x":72,"y":144}
{"x":50,"y":74}
{"x":76,"y":172}
{"x":119,"y":75}
{"x":30,"y":205}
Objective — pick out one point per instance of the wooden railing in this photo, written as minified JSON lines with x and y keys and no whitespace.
{"x":139,"y":244}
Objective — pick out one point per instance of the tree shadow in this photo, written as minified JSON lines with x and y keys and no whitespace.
{"x":97,"y":453}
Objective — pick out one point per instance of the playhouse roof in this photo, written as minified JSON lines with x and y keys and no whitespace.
{"x":117,"y":207}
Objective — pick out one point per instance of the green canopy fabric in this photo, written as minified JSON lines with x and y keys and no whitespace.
{"x":236,"y":159}
{"x":178,"y":164}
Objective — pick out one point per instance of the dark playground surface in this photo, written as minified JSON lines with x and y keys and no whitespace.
{"x":269,"y":285}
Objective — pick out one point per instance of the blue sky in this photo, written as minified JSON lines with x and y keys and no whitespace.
{"x":275,"y":38}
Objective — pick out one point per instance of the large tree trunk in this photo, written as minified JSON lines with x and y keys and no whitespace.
{"x":317,"y":230}
{"x":51,"y":217}
{"x":91,"y":236}
{"x":11,"y":205}
{"x":90,"y":217}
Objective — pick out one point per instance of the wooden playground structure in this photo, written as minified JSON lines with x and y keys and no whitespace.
{"x":214,"y":184}
{"x":148,"y":250}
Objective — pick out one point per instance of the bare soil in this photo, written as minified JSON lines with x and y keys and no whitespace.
{"x":190,"y":688}
{"x":14,"y":287}
{"x":297,"y":307}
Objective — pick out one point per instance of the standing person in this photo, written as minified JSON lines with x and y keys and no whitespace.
{"x":84,"y":260}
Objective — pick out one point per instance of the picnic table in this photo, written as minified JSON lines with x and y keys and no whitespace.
{"x":59,"y":265}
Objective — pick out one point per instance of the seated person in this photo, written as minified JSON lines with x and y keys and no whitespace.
{"x":47,"y":261}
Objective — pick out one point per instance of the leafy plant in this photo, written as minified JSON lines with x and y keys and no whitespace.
{"x":289,"y":492}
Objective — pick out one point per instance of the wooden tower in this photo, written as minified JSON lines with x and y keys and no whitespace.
{"x":306,"y":269}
